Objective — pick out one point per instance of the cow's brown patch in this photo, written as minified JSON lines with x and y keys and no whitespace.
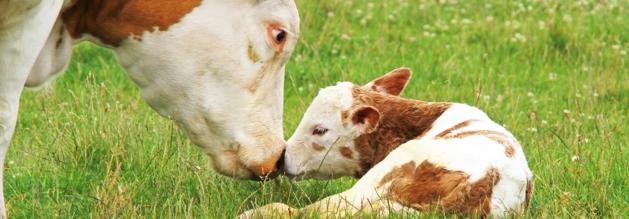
{"x":317,"y":147}
{"x":401,"y":120}
{"x":113,"y":21}
{"x":346,"y":152}
{"x":428,"y":186}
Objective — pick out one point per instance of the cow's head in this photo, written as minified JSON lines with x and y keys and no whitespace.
{"x":215,"y":67}
{"x":223,"y":80}
{"x":324,"y":144}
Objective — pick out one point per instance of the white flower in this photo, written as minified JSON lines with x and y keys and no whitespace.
{"x":518,"y":37}
{"x":552,"y":76}
{"x":567,"y":18}
{"x":574,"y":158}
{"x":541,"y":25}
{"x":345,"y":37}
{"x":330,"y":14}
{"x":565,"y":111}
{"x":530,"y":94}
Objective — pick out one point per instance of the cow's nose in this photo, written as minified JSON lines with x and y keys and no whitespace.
{"x":270,"y":170}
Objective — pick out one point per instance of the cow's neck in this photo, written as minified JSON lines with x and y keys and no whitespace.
{"x":113,"y":21}
{"x":401,"y":120}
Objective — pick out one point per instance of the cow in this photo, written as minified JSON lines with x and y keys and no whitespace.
{"x":214,"y":67}
{"x":408,"y":154}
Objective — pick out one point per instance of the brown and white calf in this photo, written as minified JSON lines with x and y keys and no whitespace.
{"x":409,"y":154}
{"x":216,"y":67}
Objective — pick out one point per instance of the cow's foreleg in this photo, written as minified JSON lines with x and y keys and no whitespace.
{"x":23,"y":31}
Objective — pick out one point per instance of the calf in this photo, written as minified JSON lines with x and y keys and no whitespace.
{"x":408,"y":154}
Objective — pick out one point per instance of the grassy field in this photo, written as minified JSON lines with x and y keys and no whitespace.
{"x":555,"y":73}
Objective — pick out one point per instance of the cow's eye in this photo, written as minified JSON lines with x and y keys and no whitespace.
{"x":279,"y":35}
{"x":318,"y":130}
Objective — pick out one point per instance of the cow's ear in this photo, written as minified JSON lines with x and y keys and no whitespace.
{"x":392,"y":83}
{"x":366,"y":119}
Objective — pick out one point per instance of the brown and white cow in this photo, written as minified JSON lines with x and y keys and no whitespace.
{"x":215,"y":67}
{"x":409,"y":154}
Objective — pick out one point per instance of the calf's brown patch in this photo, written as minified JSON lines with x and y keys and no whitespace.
{"x":498,"y":137}
{"x":113,"y":21}
{"x":393,"y":82}
{"x":427,"y":186}
{"x":401,"y":120}
{"x":454,"y":128}
{"x":346,"y":152}
{"x":317,"y":147}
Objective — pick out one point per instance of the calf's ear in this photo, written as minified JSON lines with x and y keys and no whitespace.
{"x":392,"y":83}
{"x":366,"y":119}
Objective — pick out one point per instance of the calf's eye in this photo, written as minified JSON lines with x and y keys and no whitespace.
{"x":318,"y":130}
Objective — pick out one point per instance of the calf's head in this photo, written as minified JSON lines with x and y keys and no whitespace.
{"x":324,"y":144}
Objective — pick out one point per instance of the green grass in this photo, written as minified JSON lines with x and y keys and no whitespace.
{"x":553,"y":72}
